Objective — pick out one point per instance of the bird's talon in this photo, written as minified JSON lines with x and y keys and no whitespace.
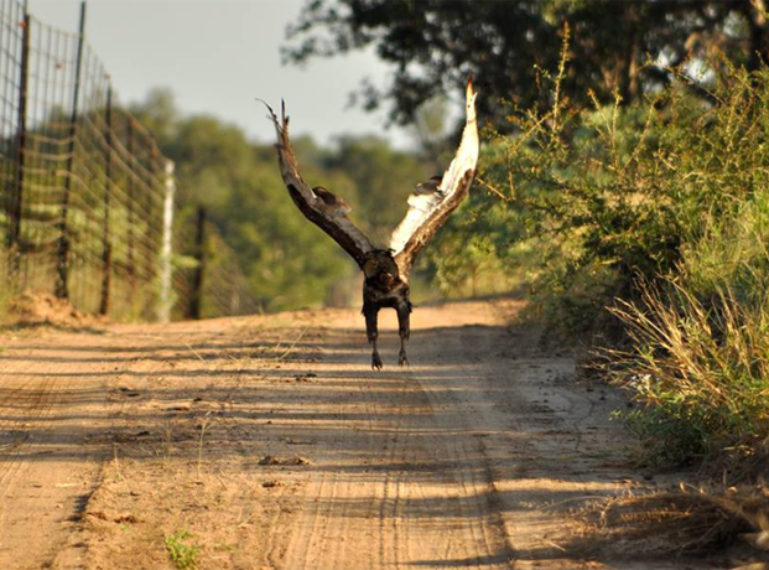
{"x":376,"y":362}
{"x":402,"y":360}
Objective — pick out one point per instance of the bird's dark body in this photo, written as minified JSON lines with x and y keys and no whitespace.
{"x":386,"y":271}
{"x":383,"y":287}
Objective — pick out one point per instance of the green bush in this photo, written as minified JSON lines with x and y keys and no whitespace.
{"x":700,"y":330}
{"x":613,"y":193}
{"x":662,"y":211}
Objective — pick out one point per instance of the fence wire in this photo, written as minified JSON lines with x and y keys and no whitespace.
{"x":84,"y":186}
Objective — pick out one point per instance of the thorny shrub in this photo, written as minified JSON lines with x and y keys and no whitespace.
{"x":662,"y":211}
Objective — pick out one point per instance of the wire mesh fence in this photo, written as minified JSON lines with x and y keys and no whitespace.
{"x":85,"y":189}
{"x":207,"y":281}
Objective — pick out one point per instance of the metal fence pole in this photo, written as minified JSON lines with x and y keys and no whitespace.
{"x":150,"y":262}
{"x":197,"y":280}
{"x":166,"y":300}
{"x":106,"y":238}
{"x":15,"y":213}
{"x":131,"y":269}
{"x":62,"y":261}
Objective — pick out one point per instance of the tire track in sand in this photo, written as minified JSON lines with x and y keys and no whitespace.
{"x":36,"y":441}
{"x":405,"y":491}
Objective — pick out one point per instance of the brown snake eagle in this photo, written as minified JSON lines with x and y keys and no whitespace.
{"x":386,"y":270}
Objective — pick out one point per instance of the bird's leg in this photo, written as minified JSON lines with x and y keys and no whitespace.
{"x":371,"y":313}
{"x":402,"y":360}
{"x":404,"y":330}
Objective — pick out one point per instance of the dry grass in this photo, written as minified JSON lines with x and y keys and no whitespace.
{"x":688,"y":522}
{"x":699,"y":369}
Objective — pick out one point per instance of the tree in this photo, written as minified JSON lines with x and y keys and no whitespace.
{"x":618,"y":46}
{"x":159,"y":114}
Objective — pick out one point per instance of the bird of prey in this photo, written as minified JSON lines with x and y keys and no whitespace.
{"x":386,"y":270}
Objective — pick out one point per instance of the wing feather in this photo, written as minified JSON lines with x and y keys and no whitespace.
{"x":331,"y":219}
{"x":428,"y":212}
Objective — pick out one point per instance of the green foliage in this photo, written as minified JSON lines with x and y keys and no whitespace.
{"x":701,"y":337}
{"x":479,"y":251}
{"x":610,"y":193}
{"x":183,"y":555}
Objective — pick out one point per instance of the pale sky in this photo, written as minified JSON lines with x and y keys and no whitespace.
{"x":217,"y":56}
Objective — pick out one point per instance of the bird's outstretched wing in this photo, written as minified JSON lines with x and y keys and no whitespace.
{"x":429,"y":210}
{"x":329,"y":215}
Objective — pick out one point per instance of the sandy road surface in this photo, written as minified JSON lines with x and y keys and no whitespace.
{"x":268,"y":442}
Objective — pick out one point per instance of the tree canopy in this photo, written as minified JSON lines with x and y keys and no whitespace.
{"x":620,"y":47}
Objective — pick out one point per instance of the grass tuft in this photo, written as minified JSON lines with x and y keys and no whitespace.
{"x":183,"y":555}
{"x":700,"y":369}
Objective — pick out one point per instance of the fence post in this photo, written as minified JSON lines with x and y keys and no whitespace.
{"x":157,"y":181}
{"x":106,"y":241}
{"x":62,"y":262}
{"x":15,"y":210}
{"x":166,"y":300}
{"x":197,"y":280}
{"x":132,"y":275}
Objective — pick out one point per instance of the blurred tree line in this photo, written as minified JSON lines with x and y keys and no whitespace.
{"x":288,"y":261}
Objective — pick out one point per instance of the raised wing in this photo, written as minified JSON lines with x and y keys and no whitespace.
{"x":429,"y":210}
{"x":319,"y":206}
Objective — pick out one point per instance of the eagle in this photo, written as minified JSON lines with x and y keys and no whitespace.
{"x":386,"y":270}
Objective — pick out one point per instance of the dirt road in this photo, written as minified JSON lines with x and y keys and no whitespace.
{"x":268,"y":442}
